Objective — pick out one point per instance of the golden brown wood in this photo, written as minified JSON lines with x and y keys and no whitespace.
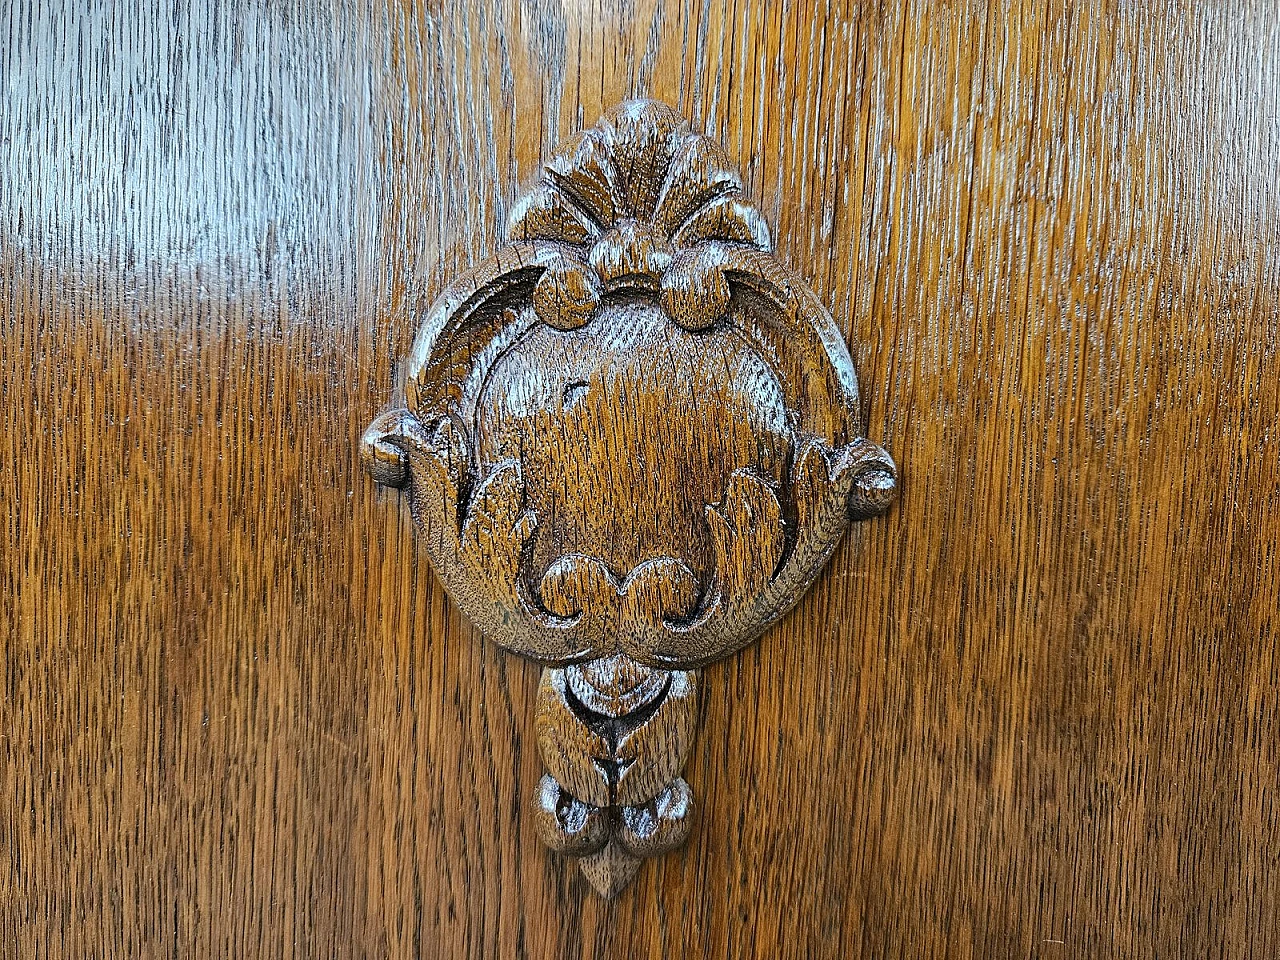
{"x":1030,"y":713}
{"x":630,"y":441}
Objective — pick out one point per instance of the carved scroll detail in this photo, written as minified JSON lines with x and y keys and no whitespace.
{"x":630,"y":440}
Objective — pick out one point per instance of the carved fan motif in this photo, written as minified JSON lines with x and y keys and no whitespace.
{"x":630,"y":440}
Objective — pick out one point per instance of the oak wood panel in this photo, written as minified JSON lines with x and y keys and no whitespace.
{"x":1029,"y":713}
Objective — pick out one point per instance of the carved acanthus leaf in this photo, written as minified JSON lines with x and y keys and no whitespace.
{"x":639,"y":165}
{"x":632,"y":439}
{"x":476,"y":546}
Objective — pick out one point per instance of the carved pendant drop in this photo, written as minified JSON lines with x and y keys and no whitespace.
{"x":631,"y":440}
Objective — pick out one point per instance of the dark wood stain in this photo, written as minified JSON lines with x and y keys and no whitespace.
{"x":1028,"y":713}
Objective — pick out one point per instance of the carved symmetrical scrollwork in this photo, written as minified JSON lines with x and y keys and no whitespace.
{"x":630,"y":440}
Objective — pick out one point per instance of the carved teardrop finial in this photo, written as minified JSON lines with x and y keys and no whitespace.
{"x":631,"y":440}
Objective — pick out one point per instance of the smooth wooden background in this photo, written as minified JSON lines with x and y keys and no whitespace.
{"x":1032,"y":713}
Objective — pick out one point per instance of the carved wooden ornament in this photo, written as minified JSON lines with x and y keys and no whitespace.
{"x":630,"y":439}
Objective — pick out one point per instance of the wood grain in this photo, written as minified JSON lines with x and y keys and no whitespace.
{"x":1036,"y":717}
{"x":629,"y":439}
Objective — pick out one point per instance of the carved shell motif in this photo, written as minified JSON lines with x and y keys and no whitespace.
{"x":631,"y":439}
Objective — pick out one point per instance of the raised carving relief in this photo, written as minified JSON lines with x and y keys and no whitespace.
{"x":630,"y":440}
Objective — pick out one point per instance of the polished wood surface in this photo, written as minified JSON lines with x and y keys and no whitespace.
{"x":630,"y":439}
{"x":1031,"y":712}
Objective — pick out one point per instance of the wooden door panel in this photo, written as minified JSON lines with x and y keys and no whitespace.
{"x":1028,"y":713}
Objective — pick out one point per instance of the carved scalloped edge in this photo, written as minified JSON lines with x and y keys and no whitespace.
{"x":640,"y":164}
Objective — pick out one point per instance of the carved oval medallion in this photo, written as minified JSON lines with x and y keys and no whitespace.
{"x":631,"y":440}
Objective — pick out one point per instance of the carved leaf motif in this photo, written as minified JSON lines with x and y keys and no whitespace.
{"x":584,"y":171}
{"x":635,"y":255}
{"x":640,"y":165}
{"x":438,"y":465}
{"x":477,"y":547}
{"x":614,"y":792}
{"x":816,"y":492}
{"x":821,"y":485}
{"x":577,"y":756}
{"x":700,"y":173}
{"x":545,"y":213}
{"x":747,"y":535}
{"x":658,"y":825}
{"x":727,"y":219}
{"x":620,"y":761}
{"x":644,"y":134}
{"x":566,"y":824}
{"x":654,"y":752}
{"x":493,"y":537}
{"x":760,"y":576}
